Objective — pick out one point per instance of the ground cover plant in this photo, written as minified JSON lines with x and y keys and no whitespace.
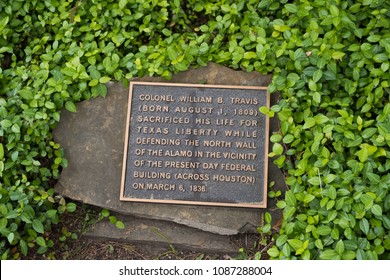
{"x":329,"y":60}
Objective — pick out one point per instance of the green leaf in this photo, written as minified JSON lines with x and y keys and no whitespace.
{"x":281,"y":240}
{"x":112,"y":219}
{"x":329,"y":255}
{"x":277,"y":149}
{"x":321,"y":119}
{"x":104,"y":79}
{"x":69,"y":71}
{"x":11,"y":237}
{"x":41,"y":241}
{"x":288,"y":138}
{"x":120,"y":225}
{"x":340,"y":247}
{"x":309,"y":122}
{"x":364,"y":226}
{"x":70,"y":106}
{"x":315,"y":181}
{"x":329,"y":178}
{"x":267,"y":218}
{"x":317,"y":97}
{"x":23,"y":247}
{"x":376,"y":210}
{"x":1,"y":151}
{"x":38,"y":226}
{"x":348,"y":255}
{"x":71,"y":207}
{"x":292,"y":8}
{"x":290,"y":198}
{"x":288,"y":212}
{"x":105,"y":213}
{"x":308,"y":198}
{"x":3,"y":223}
{"x":26,"y":94}
{"x":281,"y":204}
{"x":273,"y":252}
{"x":295,"y":244}
{"x":369,"y":132}
{"x":338,"y":55}
{"x":319,"y":244}
{"x":3,"y":23}
{"x":317,"y":75}
{"x":250,"y":55}
{"x":6,"y":123}
{"x":93,"y":82}
{"x":276,"y":138}
{"x":51,"y":213}
{"x":50,"y":105}
{"x":363,"y":154}
{"x":122,"y":4}
{"x":334,"y":11}
{"x":374,"y":178}
{"x":367,"y":200}
{"x":323,"y":230}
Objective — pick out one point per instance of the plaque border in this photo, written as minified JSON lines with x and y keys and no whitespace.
{"x":263,"y":204}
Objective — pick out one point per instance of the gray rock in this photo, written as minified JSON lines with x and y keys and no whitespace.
{"x":93,"y":140}
{"x":159,"y":234}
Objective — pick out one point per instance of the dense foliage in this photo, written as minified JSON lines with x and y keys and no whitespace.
{"x":330,"y":60}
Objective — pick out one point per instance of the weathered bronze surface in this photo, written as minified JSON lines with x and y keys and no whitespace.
{"x":196,"y":144}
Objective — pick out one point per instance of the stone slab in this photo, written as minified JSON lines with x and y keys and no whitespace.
{"x":161,"y":234}
{"x":93,"y":142}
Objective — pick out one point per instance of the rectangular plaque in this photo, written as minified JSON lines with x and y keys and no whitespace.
{"x":196,"y":144}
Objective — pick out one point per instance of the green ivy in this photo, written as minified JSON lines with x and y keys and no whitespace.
{"x":329,"y":60}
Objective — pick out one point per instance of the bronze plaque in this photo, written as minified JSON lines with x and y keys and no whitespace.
{"x":196,"y":144}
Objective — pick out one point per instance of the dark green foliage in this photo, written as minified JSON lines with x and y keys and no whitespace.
{"x":330,"y":61}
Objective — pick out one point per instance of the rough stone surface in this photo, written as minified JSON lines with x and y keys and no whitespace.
{"x":93,"y":140}
{"x":159,"y":233}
